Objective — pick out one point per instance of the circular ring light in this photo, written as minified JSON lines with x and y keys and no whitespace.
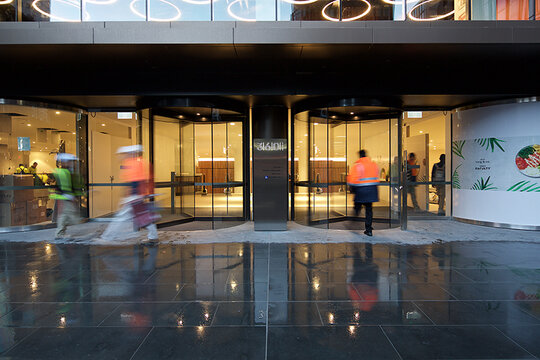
{"x":439,"y":17}
{"x":175,"y":17}
{"x":5,"y":2}
{"x":300,"y":2}
{"x":54,"y":17}
{"x":328,"y":17}
{"x":233,"y":15}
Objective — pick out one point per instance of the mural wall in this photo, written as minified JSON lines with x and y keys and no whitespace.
{"x":496,"y":164}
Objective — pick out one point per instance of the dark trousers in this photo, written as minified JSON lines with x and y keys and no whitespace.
{"x":369,"y":213}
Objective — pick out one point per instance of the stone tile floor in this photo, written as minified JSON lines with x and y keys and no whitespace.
{"x":456,"y":300}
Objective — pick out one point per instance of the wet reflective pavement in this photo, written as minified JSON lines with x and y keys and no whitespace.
{"x":461,"y":300}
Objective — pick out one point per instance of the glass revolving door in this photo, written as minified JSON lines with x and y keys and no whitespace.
{"x":199,"y":165}
{"x":326,"y":145}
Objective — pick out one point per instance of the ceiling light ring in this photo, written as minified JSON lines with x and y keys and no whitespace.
{"x":439,"y":17}
{"x":6,"y":2}
{"x":233,"y":15}
{"x":54,"y":17}
{"x":174,"y":18}
{"x":328,"y":17}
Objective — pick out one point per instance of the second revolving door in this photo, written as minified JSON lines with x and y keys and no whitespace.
{"x":326,"y":145}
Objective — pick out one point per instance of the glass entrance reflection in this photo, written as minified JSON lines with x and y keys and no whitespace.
{"x":326,"y":145}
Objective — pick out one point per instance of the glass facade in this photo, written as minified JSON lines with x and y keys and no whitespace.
{"x":201,"y":168}
{"x":266,"y":10}
{"x":30,"y":138}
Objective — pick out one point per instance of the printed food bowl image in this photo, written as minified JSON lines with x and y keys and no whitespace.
{"x":528,"y":160}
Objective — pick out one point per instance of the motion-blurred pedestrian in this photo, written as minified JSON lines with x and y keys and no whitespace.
{"x":363,"y":180}
{"x":66,"y":190}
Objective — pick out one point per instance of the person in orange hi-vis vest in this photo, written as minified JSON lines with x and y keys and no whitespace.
{"x":135,"y":171}
{"x":363,"y":179}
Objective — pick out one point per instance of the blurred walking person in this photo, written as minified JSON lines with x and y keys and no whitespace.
{"x":135,"y":171}
{"x":68,"y":187}
{"x":363,"y":180}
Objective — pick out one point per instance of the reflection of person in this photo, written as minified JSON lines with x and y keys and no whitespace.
{"x":363,"y":284}
{"x":33,"y":169}
{"x":412,"y":173}
{"x":438,"y":174}
{"x":363,"y":179}
{"x":21,"y":169}
{"x":135,"y":172}
{"x":68,"y":187}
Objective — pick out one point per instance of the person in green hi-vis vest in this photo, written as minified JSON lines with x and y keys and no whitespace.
{"x":68,"y":186}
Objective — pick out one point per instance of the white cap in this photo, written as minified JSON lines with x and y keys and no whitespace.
{"x":65,"y":157}
{"x":129,"y":149}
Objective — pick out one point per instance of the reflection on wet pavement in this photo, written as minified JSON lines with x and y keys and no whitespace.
{"x":270,"y":301}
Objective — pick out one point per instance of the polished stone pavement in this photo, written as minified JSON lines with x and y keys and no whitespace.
{"x":456,"y":300}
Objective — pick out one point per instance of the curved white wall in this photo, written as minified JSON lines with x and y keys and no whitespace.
{"x":487,"y":184}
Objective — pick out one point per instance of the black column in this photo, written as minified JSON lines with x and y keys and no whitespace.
{"x":270,"y":192}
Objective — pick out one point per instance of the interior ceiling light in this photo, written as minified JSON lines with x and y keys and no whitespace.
{"x":439,"y":17}
{"x":54,"y":17}
{"x":5,"y":2}
{"x":233,"y":15}
{"x":139,"y":14}
{"x":328,"y":17}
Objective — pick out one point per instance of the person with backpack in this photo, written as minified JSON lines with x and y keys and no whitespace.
{"x":438,"y":174}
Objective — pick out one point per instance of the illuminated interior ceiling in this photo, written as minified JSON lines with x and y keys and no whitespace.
{"x":233,"y":9}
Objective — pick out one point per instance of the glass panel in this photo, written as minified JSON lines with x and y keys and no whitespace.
{"x":228,"y":173}
{"x":166,"y":166}
{"x":425,"y":136}
{"x":118,"y":10}
{"x":430,"y":10}
{"x":319,"y":169}
{"x":106,"y":134}
{"x":337,"y":168}
{"x":179,"y":10}
{"x":375,"y":140}
{"x":484,"y":9}
{"x":394,"y":173}
{"x":353,"y":146}
{"x":512,"y":9}
{"x":302,"y":10}
{"x":8,"y":10}
{"x":368,"y":10}
{"x":245,"y":10}
{"x":301,"y":156}
{"x":51,"y":10}
{"x":30,"y":139}
{"x":187,"y":169}
{"x":203,"y":169}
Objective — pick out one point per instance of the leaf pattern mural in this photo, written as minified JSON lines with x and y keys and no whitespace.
{"x":457,"y":148}
{"x":455,"y":178}
{"x":525,"y":186}
{"x":482,"y":184}
{"x":490,"y":143}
